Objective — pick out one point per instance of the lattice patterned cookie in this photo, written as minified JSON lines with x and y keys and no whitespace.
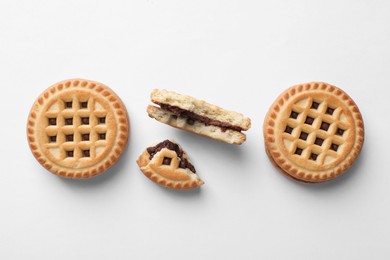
{"x":313,"y":132}
{"x":78,"y":128}
{"x":168,"y":165}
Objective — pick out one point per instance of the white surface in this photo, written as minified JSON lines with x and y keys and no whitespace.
{"x":237,"y":54}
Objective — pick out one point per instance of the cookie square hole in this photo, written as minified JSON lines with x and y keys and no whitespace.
{"x":325,"y":126}
{"x":102,"y":120}
{"x":313,"y":157}
{"x":102,"y":136}
{"x":330,"y":111}
{"x":309,"y":120}
{"x":69,"y":138}
{"x":298,"y":151}
{"x":68,"y":104}
{"x":288,"y":130}
{"x":86,"y":153}
{"x":52,"y":121}
{"x":85,"y":137}
{"x":84,"y":105}
{"x":52,"y":139}
{"x":85,"y":120}
{"x":340,"y":132}
{"x":294,"y":114}
{"x":167,"y":161}
{"x":69,"y":153}
{"x":315,"y":105}
{"x":303,"y":136}
{"x":334,"y":147}
{"x":68,"y":121}
{"x":319,"y":141}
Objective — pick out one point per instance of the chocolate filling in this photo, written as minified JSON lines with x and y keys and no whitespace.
{"x":83,"y":104}
{"x":86,"y":153}
{"x":192,"y":117}
{"x":319,"y":141}
{"x":340,"y":131}
{"x":309,"y":120}
{"x":102,"y":120}
{"x":52,"y":121}
{"x":184,"y":163}
{"x":315,"y":105}
{"x":85,"y":120}
{"x":167,"y":161}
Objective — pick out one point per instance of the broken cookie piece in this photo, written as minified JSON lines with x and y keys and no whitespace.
{"x":198,"y":116}
{"x":168,"y":165}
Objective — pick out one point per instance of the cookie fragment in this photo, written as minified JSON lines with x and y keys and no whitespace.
{"x":168,"y":165}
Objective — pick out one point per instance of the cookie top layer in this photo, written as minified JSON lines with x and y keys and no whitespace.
{"x":313,"y":132}
{"x":200,"y":107}
{"x":78,"y":128}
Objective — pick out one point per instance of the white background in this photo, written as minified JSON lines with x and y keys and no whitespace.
{"x":237,"y":54}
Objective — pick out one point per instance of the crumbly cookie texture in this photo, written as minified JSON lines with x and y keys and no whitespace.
{"x":313,"y":132}
{"x":214,"y":132}
{"x":165,"y":167}
{"x":78,"y":128}
{"x":200,"y":107}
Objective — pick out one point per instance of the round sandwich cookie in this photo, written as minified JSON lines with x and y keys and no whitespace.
{"x":313,"y":132}
{"x":168,"y":165}
{"x":78,"y":128}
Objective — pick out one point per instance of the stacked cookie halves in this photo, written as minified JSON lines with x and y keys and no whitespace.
{"x":198,"y":116}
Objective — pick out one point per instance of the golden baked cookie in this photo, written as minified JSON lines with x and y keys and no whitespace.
{"x":198,"y":117}
{"x":78,"y":128}
{"x":168,"y":165}
{"x":313,"y":132}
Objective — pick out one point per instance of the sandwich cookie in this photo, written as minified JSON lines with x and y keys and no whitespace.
{"x":313,"y":132}
{"x":78,"y":128}
{"x":168,"y":165}
{"x":198,"y":116}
